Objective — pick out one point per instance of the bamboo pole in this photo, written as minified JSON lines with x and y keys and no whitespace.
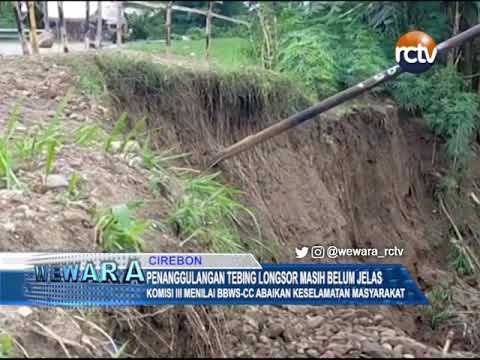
{"x":159,"y":5}
{"x":62,"y":28}
{"x":333,"y":101}
{"x":20,"y":28}
{"x":46,"y":21}
{"x":33,"y":27}
{"x":98,"y":37}
{"x":168,"y":25}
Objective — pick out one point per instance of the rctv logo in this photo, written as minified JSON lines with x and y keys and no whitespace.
{"x":415,"y":52}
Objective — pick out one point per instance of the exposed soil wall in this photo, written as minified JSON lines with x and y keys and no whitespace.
{"x":357,"y":178}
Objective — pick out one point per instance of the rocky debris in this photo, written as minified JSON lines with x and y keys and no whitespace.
{"x":54,"y":181}
{"x":46,"y":40}
{"x":324,"y":332}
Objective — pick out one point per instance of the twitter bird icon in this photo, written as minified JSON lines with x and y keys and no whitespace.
{"x":301,"y":253}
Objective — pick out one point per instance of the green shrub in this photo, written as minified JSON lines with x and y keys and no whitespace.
{"x":119,"y":229}
{"x":329,"y":55}
{"x":137,"y":25}
{"x":307,"y":54}
{"x":361,"y":57}
{"x":208,"y":211}
{"x":448,"y":110}
{"x":196,"y":33}
{"x":440,"y":308}
{"x":455,"y":117}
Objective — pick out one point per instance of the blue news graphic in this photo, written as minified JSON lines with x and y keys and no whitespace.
{"x":196,"y":279}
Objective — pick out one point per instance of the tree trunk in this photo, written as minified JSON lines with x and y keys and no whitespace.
{"x":168,"y":25}
{"x":119,"y":23}
{"x":62,"y":28}
{"x":46,"y":21}
{"x":456,"y":28}
{"x":468,"y":64}
{"x":208,"y":30}
{"x":267,"y":51}
{"x":87,"y":25}
{"x":20,"y":28}
{"x":33,"y":26}
{"x":98,"y":40}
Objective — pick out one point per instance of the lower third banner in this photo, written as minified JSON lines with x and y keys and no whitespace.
{"x":81,"y":279}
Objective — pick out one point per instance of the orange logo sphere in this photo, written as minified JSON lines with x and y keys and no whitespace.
{"x":415,"y":52}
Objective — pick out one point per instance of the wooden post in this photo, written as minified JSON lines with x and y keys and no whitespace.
{"x":87,"y":25}
{"x":98,"y":39}
{"x":46,"y":21}
{"x":119,"y":23}
{"x":20,"y":28}
{"x":33,"y":26}
{"x":62,"y":28}
{"x":333,"y":101}
{"x":168,"y":25}
{"x":208,"y":30}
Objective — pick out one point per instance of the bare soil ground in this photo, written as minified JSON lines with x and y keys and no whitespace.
{"x":359,"y":182}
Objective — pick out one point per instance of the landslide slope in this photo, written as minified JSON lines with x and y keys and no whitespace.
{"x":359,"y":178}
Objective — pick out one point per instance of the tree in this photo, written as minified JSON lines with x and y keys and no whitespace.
{"x":452,"y":56}
{"x":208,"y":30}
{"x":33,"y":26}
{"x":119,"y":22}
{"x":168,"y":24}
{"x":20,"y":28}
{"x":98,"y":40}
{"x":46,"y":21}
{"x":267,"y":17}
{"x":61,"y":25}
{"x":87,"y":25}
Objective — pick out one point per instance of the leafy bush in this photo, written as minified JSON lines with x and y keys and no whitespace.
{"x":196,"y":33}
{"x":208,"y":211}
{"x":448,"y":110}
{"x":361,"y":57}
{"x":119,"y":229}
{"x":440,"y":308}
{"x":137,"y":24}
{"x":307,"y":54}
{"x":455,"y":118}
{"x":7,"y":20}
{"x":329,"y":53}
{"x":411,"y":92}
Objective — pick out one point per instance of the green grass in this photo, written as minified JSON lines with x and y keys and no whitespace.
{"x":6,"y":346}
{"x":440,"y":308}
{"x":118,"y":130}
{"x":87,"y":134}
{"x":7,"y":173}
{"x":209,"y":212}
{"x":73,"y":192}
{"x":228,"y":52}
{"x":90,"y":79}
{"x":7,"y":161}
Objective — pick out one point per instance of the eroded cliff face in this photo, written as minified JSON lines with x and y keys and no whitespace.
{"x":355,"y":179}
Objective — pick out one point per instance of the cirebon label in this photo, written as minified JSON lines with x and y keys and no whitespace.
{"x":415,"y":52}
